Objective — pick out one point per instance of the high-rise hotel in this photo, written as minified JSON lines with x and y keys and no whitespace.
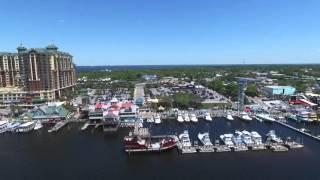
{"x":36,"y":74}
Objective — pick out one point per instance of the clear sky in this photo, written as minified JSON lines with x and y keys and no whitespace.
{"x":146,"y":32}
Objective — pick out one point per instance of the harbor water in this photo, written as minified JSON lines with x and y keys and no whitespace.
{"x":74,"y":154}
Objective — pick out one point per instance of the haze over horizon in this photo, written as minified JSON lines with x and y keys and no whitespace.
{"x":167,"y":32}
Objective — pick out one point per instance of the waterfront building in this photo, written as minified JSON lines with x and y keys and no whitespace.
{"x":36,"y":74}
{"x":279,"y":90}
{"x":51,"y":112}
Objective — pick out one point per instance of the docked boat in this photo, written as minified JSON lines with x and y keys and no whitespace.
{"x":227,"y":140}
{"x":186,"y":117}
{"x":180,"y":118}
{"x":265,"y":117}
{"x":142,"y":141}
{"x":256,"y":138}
{"x":246,"y":138}
{"x":185,"y":139}
{"x":12,"y":126}
{"x":238,"y":143}
{"x":207,"y":116}
{"x":273,"y":137}
{"x":38,"y":125}
{"x":303,"y":116}
{"x":193,"y":117}
{"x":292,"y":117}
{"x":26,"y":127}
{"x":229,"y":116}
{"x":244,"y":116}
{"x":3,"y":126}
{"x":205,"y":139}
{"x":157,"y":119}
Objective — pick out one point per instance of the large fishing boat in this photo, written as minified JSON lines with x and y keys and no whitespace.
{"x":140,"y":140}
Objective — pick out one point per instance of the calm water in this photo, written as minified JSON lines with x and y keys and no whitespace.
{"x":72,"y":154}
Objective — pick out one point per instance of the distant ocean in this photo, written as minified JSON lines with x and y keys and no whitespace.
{"x":157,"y":67}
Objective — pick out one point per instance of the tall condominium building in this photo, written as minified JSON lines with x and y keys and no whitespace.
{"x":9,"y":70}
{"x":43,"y":73}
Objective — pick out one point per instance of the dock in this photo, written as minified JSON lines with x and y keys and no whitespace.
{"x":58,"y":126}
{"x":298,"y":130}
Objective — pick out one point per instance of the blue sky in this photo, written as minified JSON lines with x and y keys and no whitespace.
{"x":146,"y":32}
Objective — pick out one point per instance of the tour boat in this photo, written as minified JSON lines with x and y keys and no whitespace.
{"x":186,"y":117}
{"x":136,"y":142}
{"x":157,"y":119}
{"x":265,"y":117}
{"x":38,"y":125}
{"x":244,"y":116}
{"x":207,"y":116}
{"x":205,"y":139}
{"x":26,"y":127}
{"x":193,"y":117}
{"x":180,"y":119}
{"x":227,"y":139}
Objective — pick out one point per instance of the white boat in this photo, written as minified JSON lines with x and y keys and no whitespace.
{"x":227,"y":139}
{"x":265,"y":117}
{"x":244,"y":116}
{"x":157,"y":119}
{"x":303,"y":116}
{"x":273,"y":137}
{"x":193,"y":117}
{"x":186,"y":117}
{"x":229,"y":116}
{"x":256,"y":138}
{"x":26,"y":127}
{"x":207,"y":116}
{"x":246,"y":138}
{"x":180,"y":119}
{"x":185,"y":139}
{"x":3,"y":126}
{"x":38,"y":125}
{"x":205,"y":139}
{"x":12,"y":126}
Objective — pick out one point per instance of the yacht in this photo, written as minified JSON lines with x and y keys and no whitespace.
{"x":229,"y":116}
{"x":244,"y":116}
{"x":12,"y":126}
{"x":180,"y":118}
{"x":26,"y":127}
{"x":227,"y":139}
{"x":185,"y":139}
{"x":207,"y":116}
{"x":237,"y":138}
{"x":205,"y":139}
{"x":3,"y":126}
{"x":38,"y":125}
{"x":246,"y":138}
{"x":256,"y":138}
{"x":273,"y":137}
{"x":193,"y":117}
{"x":265,"y":117}
{"x":303,"y":116}
{"x":157,"y":119}
{"x":186,"y":117}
